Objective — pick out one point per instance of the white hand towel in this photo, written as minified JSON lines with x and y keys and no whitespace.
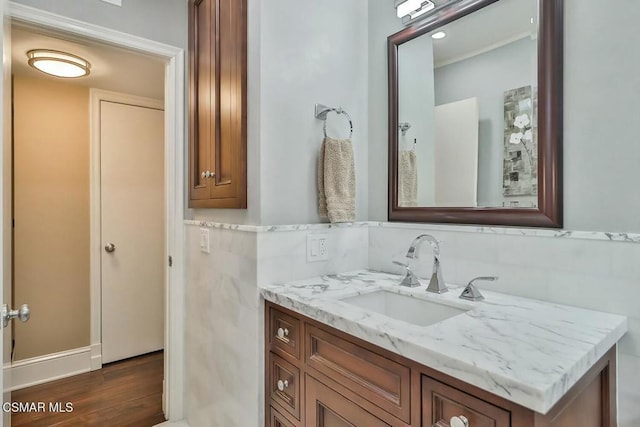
{"x":337,"y":181}
{"x":407,"y":179}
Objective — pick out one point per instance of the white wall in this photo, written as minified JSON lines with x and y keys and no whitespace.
{"x":160,"y":20}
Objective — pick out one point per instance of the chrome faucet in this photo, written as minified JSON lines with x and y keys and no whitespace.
{"x":436,"y":284}
{"x":471,"y":292}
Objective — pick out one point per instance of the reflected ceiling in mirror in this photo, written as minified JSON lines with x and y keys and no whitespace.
{"x":465,"y":106}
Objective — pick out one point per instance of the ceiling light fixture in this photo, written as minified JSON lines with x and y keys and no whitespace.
{"x":409,"y":10}
{"x":439,"y":35}
{"x":58,"y":64}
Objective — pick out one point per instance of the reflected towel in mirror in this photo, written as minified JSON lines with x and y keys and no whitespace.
{"x":407,"y":179}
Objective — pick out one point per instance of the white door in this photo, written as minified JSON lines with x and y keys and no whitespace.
{"x":456,"y":153}
{"x":132,"y":230}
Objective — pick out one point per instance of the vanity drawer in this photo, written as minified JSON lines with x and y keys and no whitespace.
{"x":284,"y":385}
{"x":383,"y":382}
{"x":440,"y":402}
{"x":284,"y":333}
{"x":277,"y":419}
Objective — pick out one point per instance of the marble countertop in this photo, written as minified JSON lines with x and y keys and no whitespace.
{"x":527,"y":351}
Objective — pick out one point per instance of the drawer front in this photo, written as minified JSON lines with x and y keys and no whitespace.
{"x":277,"y":419}
{"x":284,"y":385}
{"x":327,"y":408}
{"x":441,"y":402}
{"x":379,"y":380}
{"x":284,"y":333}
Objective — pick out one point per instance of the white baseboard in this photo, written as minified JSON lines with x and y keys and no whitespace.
{"x":96,"y":356}
{"x":51,"y":367}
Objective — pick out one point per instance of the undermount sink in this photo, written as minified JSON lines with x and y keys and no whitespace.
{"x":401,"y":307}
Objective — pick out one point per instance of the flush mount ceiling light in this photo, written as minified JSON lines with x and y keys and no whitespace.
{"x":59,"y":64}
{"x":439,"y":35}
{"x":409,"y":10}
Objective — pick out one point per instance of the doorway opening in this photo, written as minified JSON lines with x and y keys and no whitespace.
{"x":58,"y":362}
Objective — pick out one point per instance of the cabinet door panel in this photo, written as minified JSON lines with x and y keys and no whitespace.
{"x":288,"y":397}
{"x":278,"y":420}
{"x":201,"y":41}
{"x":440,"y":402}
{"x":284,"y":333}
{"x":327,"y":408}
{"x":381,"y":381}
{"x":218,"y":103}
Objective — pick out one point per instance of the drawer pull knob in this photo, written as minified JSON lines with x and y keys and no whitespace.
{"x":282,"y":384}
{"x":460,"y":421}
{"x":282,"y":333}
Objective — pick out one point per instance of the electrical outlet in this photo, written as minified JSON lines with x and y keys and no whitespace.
{"x":204,"y":240}
{"x":317,"y":247}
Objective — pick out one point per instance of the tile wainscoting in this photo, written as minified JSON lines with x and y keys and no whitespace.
{"x":224,"y":324}
{"x":224,"y":327}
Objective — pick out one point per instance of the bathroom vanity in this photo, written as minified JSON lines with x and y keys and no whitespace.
{"x":357,"y":349}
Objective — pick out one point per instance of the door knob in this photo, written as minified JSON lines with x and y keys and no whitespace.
{"x":23,"y":314}
{"x":110,"y":247}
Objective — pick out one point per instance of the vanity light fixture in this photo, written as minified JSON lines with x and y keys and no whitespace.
{"x":439,"y":35}
{"x":58,"y":64}
{"x":409,"y":10}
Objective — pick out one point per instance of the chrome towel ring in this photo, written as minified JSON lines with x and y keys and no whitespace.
{"x":323,"y":110}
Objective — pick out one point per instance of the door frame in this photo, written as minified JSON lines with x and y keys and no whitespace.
{"x":174,"y":113}
{"x":95,"y":197}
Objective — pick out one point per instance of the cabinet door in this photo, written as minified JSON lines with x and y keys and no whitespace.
{"x":201,"y":78}
{"x":440,"y":402}
{"x":327,"y":408}
{"x":218,"y":103}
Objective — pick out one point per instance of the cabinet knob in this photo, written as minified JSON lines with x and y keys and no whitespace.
{"x":208,"y":174}
{"x":282,"y":384}
{"x":459,"y":421}
{"x":282,"y":333}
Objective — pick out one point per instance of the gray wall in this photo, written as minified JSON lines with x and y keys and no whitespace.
{"x":602,"y":84}
{"x":160,"y":20}
{"x":416,"y":106}
{"x":382,"y":23}
{"x":487,"y":76}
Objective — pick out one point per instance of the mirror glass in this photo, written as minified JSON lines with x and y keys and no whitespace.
{"x":467,"y":111}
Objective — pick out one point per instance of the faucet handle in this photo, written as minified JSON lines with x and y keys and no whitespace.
{"x":471,"y":292}
{"x":410,"y":280}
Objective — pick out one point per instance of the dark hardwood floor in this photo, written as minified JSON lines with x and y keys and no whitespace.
{"x":125,"y":393}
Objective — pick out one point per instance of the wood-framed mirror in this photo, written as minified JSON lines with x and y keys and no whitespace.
{"x":475,"y":115}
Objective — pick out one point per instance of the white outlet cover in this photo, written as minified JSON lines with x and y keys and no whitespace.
{"x":204,"y":240}
{"x":317,"y":247}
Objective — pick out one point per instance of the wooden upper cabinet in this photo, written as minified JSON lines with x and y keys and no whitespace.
{"x":218,"y":104}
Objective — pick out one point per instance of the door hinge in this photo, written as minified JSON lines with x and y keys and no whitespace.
{"x":170,"y":261}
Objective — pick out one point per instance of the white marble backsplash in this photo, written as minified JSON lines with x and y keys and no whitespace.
{"x":595,"y":274}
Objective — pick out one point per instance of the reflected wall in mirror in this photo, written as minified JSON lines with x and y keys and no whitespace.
{"x":476,"y":115}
